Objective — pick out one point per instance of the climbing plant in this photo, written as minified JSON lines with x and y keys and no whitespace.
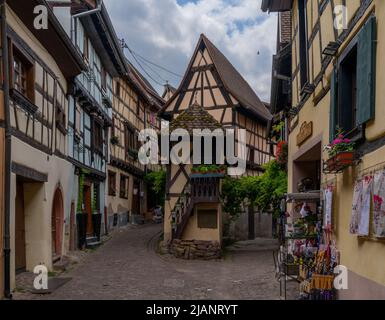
{"x":264,"y":191}
{"x":80,"y":193}
{"x":157,"y":182}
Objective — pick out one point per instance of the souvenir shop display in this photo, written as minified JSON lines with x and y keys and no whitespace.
{"x":308,"y":254}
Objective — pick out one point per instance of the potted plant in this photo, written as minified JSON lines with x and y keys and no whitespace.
{"x":282,"y":152}
{"x":81,"y":216}
{"x":114,"y":140}
{"x":341,"y":153}
{"x":209,"y":169}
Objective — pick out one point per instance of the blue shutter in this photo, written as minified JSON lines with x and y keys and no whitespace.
{"x":333,"y":104}
{"x":366,"y":62}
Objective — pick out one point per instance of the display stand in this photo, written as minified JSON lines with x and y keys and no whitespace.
{"x":304,"y":254}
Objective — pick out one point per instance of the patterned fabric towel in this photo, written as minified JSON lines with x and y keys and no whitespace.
{"x":328,"y":200}
{"x":363,"y":226}
{"x":379,"y":205}
{"x":356,"y":207}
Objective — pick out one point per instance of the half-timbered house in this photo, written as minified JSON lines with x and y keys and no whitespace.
{"x":337,"y":86}
{"x":90,"y":113}
{"x":135,"y":107}
{"x":226,"y":99}
{"x":41,"y":65}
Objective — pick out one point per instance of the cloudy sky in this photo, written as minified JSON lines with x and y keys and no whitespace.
{"x":166,"y":32}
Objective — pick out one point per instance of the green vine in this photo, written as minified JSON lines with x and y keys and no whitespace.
{"x":81,"y":191}
{"x":264,"y":192}
{"x":157,"y":182}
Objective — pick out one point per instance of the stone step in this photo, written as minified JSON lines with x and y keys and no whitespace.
{"x":94,"y":244}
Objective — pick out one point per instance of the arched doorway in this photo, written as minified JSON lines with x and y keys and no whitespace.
{"x":57,"y":223}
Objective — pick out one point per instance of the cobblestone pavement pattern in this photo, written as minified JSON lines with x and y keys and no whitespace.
{"x":127,"y":267}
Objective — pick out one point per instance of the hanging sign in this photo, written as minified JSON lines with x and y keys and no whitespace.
{"x":305,"y":132}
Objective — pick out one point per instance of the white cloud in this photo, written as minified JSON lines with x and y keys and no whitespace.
{"x":166,"y":33}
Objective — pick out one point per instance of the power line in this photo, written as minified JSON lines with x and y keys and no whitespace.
{"x":154,"y":71}
{"x":149,"y":61}
{"x":144,"y":70}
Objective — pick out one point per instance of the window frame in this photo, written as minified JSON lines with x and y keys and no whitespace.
{"x":29,"y":64}
{"x":111,"y":180}
{"x":123,"y":192}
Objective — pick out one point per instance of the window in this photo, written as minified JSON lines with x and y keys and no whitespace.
{"x":347,"y":92}
{"x":111,"y":183}
{"x":303,"y":43}
{"x":98,"y":137}
{"x":22,"y":73}
{"x":19,"y":75}
{"x":123,"y":186}
{"x":104,"y":79}
{"x":60,"y":115}
{"x":86,"y":52}
{"x":352,"y":86}
{"x":207,"y":218}
{"x":252,"y":156}
{"x":117,"y":89}
{"x":130,"y":139}
{"x":77,"y":120}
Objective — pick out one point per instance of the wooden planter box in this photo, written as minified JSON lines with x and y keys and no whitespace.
{"x":339,"y":162}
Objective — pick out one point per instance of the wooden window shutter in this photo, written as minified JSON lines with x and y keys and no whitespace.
{"x":333,"y":104}
{"x":366,"y":61}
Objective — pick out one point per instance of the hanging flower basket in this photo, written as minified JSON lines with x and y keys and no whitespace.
{"x":341,"y":154}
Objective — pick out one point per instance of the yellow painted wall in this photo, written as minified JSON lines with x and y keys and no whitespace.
{"x":192,"y":232}
{"x":365,"y":257}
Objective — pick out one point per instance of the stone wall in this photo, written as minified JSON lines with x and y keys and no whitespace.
{"x":195,"y":249}
{"x":263,"y":226}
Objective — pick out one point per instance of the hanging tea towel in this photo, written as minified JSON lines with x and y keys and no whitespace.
{"x":379,"y":205}
{"x":363,"y":226}
{"x":328,"y":200}
{"x":356,"y":206}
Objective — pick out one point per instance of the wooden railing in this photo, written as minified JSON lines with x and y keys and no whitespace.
{"x":197,"y":190}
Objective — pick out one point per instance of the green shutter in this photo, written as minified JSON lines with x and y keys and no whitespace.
{"x":333,"y":104}
{"x":366,"y":61}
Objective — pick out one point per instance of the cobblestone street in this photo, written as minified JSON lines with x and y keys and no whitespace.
{"x":127,"y":267}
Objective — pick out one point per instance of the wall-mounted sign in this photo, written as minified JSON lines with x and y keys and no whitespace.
{"x":305,"y":132}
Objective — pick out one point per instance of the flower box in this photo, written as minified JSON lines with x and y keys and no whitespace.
{"x":340,"y":161}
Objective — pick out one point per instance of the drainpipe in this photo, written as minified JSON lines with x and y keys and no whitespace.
{"x":83,"y":14}
{"x":8,"y":143}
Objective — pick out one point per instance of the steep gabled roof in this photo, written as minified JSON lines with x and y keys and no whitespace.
{"x":195,"y":117}
{"x":232,"y":80}
{"x":168,"y":89}
{"x":235,"y":83}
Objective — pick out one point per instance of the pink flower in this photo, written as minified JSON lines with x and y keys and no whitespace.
{"x":377,"y":199}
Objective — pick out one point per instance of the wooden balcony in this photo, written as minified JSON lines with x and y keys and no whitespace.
{"x":200,"y":189}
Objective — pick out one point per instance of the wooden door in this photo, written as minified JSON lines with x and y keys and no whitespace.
{"x":20,"y":258}
{"x":57,"y":223}
{"x":88,"y":208}
{"x":136,"y":198}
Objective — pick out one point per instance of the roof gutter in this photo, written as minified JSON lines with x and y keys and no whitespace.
{"x":7,"y":155}
{"x":83,"y":14}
